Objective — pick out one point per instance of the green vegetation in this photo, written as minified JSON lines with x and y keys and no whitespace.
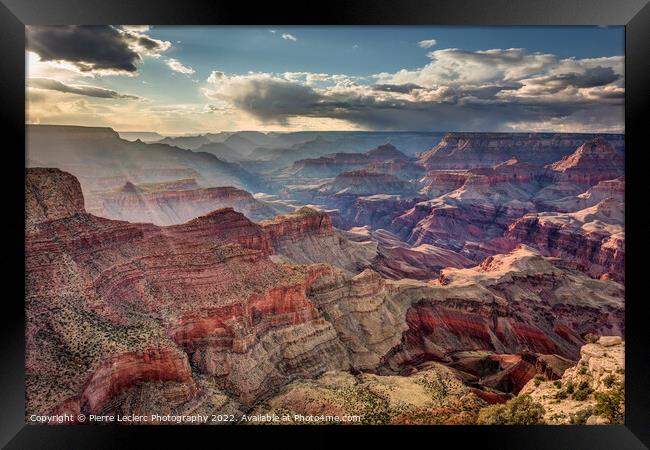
{"x":561,"y":395}
{"x":583,"y":391}
{"x":580,"y":418}
{"x":521,"y":410}
{"x":609,"y":381}
{"x":538,"y":379}
{"x":557,"y":384}
{"x":611,"y":404}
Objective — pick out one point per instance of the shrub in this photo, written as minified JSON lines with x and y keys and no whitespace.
{"x":569,"y":387}
{"x":538,"y":379}
{"x":609,"y":381}
{"x":583,"y":370}
{"x":592,"y":338}
{"x":611,"y":404}
{"x":525,"y":411}
{"x":582,"y":394}
{"x":583,"y":385}
{"x":560,"y":395}
{"x":557,"y":384}
{"x":521,"y":410}
{"x":580,"y":417}
{"x":494,"y":415}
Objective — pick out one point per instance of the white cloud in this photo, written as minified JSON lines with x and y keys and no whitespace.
{"x":288,"y":37}
{"x":177,"y":66}
{"x":136,"y":28}
{"x":427,"y":43}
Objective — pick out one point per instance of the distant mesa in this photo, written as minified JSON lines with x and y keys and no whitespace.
{"x":593,"y":161}
{"x":470,"y":150}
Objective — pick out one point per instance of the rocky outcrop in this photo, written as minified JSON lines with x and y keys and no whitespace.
{"x":173,"y":202}
{"x":333,"y":164}
{"x":608,"y":189}
{"x":51,"y":194}
{"x":363,"y":182}
{"x":593,"y":161}
{"x":401,"y":168}
{"x":117,"y":374}
{"x":572,"y":398}
{"x":438,"y":182}
{"x":593,"y":237}
{"x":510,"y":303}
{"x":100,"y":294}
{"x":479,"y":210}
{"x":308,"y":237}
{"x":468,"y":150}
{"x":433,"y":395}
{"x":396,"y":260}
{"x":378,"y":211}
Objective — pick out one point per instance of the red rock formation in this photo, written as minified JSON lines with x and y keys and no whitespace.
{"x":117,"y":374}
{"x":468,"y":150}
{"x":297,"y":225}
{"x":608,"y":189}
{"x":493,"y":307}
{"x":101,"y":293}
{"x":396,"y":260}
{"x":378,"y":211}
{"x":331,"y":165}
{"x":593,"y":237}
{"x":438,"y":182}
{"x":401,"y":168}
{"x":364,"y":182}
{"x":593,"y":161}
{"x":116,"y":310}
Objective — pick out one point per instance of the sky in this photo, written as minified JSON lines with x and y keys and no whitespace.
{"x":189,"y":79}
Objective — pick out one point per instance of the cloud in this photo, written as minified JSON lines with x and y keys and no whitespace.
{"x":136,"y":28}
{"x":406,"y":88}
{"x":90,"y":91}
{"x":215,"y":76}
{"x":177,"y":66}
{"x":94,"y":49}
{"x":590,"y":78}
{"x":268,"y":98}
{"x":497,"y":89}
{"x":427,"y":43}
{"x":288,"y":37}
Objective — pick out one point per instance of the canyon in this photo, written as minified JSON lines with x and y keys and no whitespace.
{"x":404,"y":287}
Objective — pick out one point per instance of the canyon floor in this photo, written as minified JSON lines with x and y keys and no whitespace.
{"x":386,"y":279}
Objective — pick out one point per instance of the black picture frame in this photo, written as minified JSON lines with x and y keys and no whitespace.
{"x":15,"y":14}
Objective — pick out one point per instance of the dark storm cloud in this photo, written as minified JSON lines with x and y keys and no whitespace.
{"x":592,"y":77}
{"x":90,"y":91}
{"x":487,"y":92}
{"x":92,"y":48}
{"x":399,"y":88}
{"x":274,"y":100}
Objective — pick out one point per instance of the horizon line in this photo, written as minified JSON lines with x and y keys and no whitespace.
{"x":202,"y":133}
